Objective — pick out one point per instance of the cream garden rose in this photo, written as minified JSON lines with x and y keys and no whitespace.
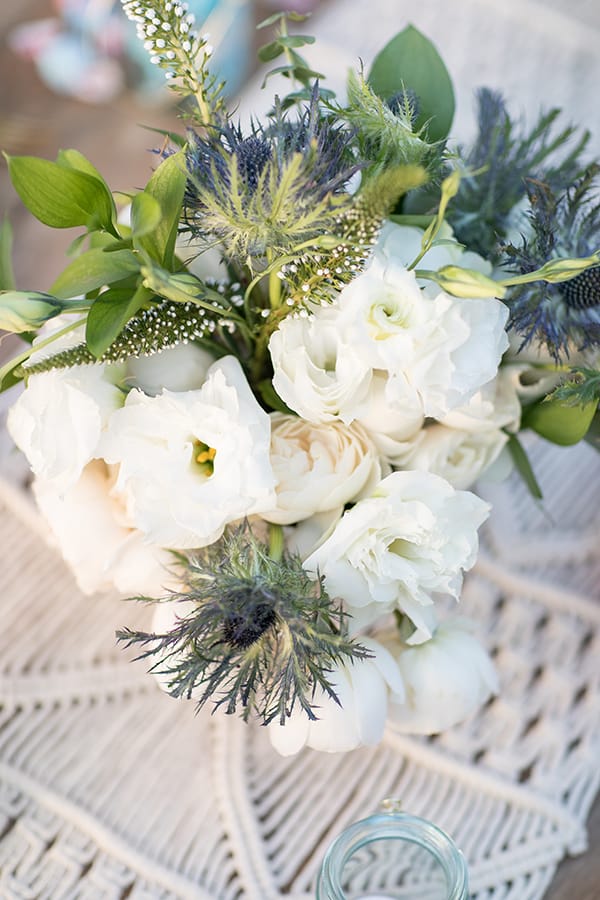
{"x":412,"y":539}
{"x":458,"y":456}
{"x":318,"y":467}
{"x":363,"y":688}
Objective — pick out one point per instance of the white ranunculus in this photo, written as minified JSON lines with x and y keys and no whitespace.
{"x":59,"y":419}
{"x":318,"y":467}
{"x":460,"y":457}
{"x":411,"y":539}
{"x":179,"y":368}
{"x":446,"y":679}
{"x":89,"y":526}
{"x":362,"y":688}
{"x":193,"y":461}
{"x":317,"y":374}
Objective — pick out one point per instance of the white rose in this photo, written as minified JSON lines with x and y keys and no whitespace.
{"x":412,"y":539}
{"x":318,"y":467}
{"x":59,"y":419}
{"x":362,"y":688}
{"x":458,"y":456}
{"x":446,"y":679}
{"x":179,"y":368}
{"x":88,"y":524}
{"x":193,"y":461}
{"x":316,"y":374}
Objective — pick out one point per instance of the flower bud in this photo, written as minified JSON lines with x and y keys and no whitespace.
{"x":467,"y":283}
{"x":27,"y":310}
{"x":556,"y":270}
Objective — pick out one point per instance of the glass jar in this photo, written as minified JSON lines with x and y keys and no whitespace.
{"x":393,"y":856}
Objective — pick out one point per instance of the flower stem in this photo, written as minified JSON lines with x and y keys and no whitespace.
{"x":276,"y":544}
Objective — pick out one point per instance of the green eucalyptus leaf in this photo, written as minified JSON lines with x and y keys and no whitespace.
{"x":156,"y":234}
{"x":295,"y":40}
{"x":411,"y":62}
{"x":59,"y":196}
{"x":270,"y":51}
{"x":94,"y":269}
{"x":558,"y":422}
{"x":109,"y":314}
{"x":281,"y":16}
{"x":7,"y":277}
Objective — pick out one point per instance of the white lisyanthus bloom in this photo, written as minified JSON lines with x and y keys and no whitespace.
{"x":318,"y":467}
{"x":459,"y":456}
{"x":362,"y":687}
{"x":60,"y":417}
{"x":439,"y":348}
{"x":89,"y":526}
{"x":392,"y":412}
{"x":316,"y":373}
{"x":495,"y":405}
{"x":446,"y":679}
{"x":179,"y":368}
{"x":411,"y":539}
{"x":193,"y":461}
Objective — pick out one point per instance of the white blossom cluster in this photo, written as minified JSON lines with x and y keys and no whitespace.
{"x":397,"y":405}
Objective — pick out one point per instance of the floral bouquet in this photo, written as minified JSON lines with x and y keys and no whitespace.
{"x":260,"y":390}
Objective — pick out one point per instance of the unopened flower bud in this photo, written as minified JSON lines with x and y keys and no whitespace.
{"x":27,"y":310}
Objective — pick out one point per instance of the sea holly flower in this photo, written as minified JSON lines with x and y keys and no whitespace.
{"x":559,"y":313}
{"x":250,"y":631}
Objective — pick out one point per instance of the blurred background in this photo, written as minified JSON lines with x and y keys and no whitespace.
{"x":73,"y":74}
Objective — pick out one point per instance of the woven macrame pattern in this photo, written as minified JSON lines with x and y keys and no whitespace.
{"x":111,"y":789}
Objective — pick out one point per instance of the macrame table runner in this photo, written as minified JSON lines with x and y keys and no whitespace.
{"x":111,"y":789}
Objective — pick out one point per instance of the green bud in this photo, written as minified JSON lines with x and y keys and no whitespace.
{"x":27,"y":310}
{"x":557,"y":270}
{"x":465,"y":283}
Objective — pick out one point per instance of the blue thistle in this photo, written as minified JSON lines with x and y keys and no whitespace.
{"x":568,"y":225}
{"x":503,"y":158}
{"x":265,"y":193}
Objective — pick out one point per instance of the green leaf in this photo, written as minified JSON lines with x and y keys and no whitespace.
{"x":7,"y":277}
{"x":558,"y":422}
{"x":270,"y":51}
{"x":59,"y":196}
{"x":110,"y":313}
{"x":94,"y":269}
{"x":411,"y":62}
{"x":156,"y":235}
{"x":521,"y":461}
{"x":281,"y":16}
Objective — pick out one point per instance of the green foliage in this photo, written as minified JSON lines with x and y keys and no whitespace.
{"x":109,"y":314}
{"x":261,"y":638}
{"x":60,"y":196}
{"x":157,"y":210}
{"x":92,"y":270}
{"x":295,"y":67}
{"x":523,"y":466}
{"x":559,"y":422}
{"x":411,"y":62}
{"x":7,"y":277}
{"x":580,"y":388}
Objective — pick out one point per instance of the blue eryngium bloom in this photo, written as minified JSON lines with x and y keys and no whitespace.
{"x":271,"y":190}
{"x":566,"y":314}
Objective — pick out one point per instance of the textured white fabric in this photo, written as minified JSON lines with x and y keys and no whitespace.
{"x":108,"y":786}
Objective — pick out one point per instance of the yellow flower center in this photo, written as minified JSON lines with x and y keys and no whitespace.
{"x":204,"y":456}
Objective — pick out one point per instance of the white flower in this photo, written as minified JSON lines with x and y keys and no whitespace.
{"x":394,"y":550}
{"x":392,"y":412}
{"x":495,"y":405}
{"x":446,"y":679}
{"x":59,"y":419}
{"x":319,"y":467}
{"x":439,"y":349}
{"x":458,"y":456}
{"x":89,"y":525}
{"x":193,"y":461}
{"x":179,"y":368}
{"x":362,"y":688}
{"x":317,"y":374}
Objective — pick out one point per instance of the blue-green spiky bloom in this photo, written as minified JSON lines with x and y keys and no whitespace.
{"x":567,"y":313}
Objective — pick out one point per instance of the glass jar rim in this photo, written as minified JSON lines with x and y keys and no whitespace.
{"x":389,"y":826}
